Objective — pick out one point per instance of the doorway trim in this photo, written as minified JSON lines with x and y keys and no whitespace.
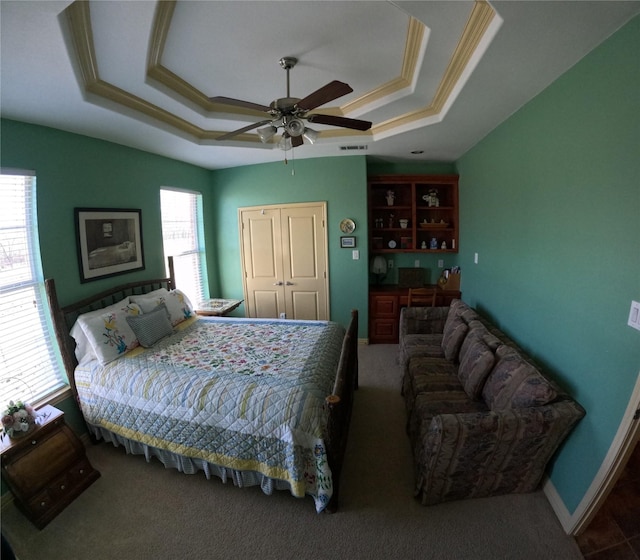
{"x":610,"y":470}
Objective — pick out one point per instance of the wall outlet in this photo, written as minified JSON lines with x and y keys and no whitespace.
{"x":416,"y":263}
{"x":634,"y":315}
{"x":440,"y":263}
{"x":283,"y":315}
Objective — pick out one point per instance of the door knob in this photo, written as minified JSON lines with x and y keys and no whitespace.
{"x":277,"y":283}
{"x":288,"y":283}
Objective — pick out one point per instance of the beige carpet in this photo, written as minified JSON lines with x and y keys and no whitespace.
{"x":140,"y":510}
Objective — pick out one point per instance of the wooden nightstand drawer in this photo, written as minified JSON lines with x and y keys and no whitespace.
{"x":47,"y":469}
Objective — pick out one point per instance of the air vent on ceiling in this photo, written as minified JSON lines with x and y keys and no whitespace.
{"x":353,"y":148}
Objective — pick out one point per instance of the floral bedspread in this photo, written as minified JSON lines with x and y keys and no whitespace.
{"x":244,"y":394}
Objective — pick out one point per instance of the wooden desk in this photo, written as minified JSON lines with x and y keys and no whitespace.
{"x":217,"y":307}
{"x":385,"y":303}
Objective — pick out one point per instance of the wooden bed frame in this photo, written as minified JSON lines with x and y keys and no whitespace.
{"x":339,"y":403}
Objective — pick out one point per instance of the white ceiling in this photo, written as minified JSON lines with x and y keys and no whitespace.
{"x":438,"y":85}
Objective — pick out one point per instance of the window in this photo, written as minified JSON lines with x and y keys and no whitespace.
{"x":183,"y":238}
{"x":30,"y":365}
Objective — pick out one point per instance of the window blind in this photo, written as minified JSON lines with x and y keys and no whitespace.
{"x":30,"y":363}
{"x":183,"y":239}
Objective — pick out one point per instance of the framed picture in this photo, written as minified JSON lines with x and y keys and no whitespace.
{"x":109,"y":242}
{"x":347,"y":242}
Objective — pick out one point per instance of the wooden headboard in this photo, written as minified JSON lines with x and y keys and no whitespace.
{"x":65,"y":317}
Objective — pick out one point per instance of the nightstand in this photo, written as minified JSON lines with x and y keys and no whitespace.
{"x":217,"y":307}
{"x":47,"y":468}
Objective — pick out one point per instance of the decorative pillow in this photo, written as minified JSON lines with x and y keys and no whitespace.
{"x":150,"y":327}
{"x":109,"y":333}
{"x":452,"y":338}
{"x":84,"y":350}
{"x":155,"y":294}
{"x":476,"y":361}
{"x":515,"y":383}
{"x":177,"y":303}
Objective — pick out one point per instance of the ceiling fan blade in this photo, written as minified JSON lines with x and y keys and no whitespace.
{"x":327,"y":93}
{"x":241,"y":130}
{"x":240,"y":103}
{"x":296,"y":141}
{"x":344,"y":122}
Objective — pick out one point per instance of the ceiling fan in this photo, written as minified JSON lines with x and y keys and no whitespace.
{"x":289,"y":113}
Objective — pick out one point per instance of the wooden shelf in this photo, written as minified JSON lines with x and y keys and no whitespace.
{"x":410,"y":201}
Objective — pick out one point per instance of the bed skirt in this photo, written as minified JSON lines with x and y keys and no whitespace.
{"x":190,"y":465}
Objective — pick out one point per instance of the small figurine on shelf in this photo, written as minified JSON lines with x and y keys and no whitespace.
{"x":433,"y":243}
{"x":379,"y":223}
{"x":432,"y":198}
{"x":424,"y":245}
{"x":444,"y":245}
{"x":390,"y":198}
{"x":391,"y":216}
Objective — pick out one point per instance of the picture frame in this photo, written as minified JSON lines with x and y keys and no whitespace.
{"x":109,"y":242}
{"x":347,"y":242}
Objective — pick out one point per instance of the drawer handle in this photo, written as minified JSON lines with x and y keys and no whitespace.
{"x":81,"y":471}
{"x":33,"y":442}
{"x":43,"y":504}
{"x":62,"y":487}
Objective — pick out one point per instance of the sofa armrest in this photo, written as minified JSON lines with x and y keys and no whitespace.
{"x":490,"y":453}
{"x":422,"y":320}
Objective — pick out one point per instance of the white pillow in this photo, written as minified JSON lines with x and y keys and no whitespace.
{"x":155,"y":293}
{"x":84,"y":350}
{"x":177,"y":303}
{"x":109,"y":333}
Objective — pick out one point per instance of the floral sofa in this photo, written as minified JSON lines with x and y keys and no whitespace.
{"x":483,"y":420}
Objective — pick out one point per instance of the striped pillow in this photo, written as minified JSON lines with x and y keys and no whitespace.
{"x":150,"y":327}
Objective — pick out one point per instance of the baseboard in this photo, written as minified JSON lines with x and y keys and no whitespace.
{"x":557,"y":504}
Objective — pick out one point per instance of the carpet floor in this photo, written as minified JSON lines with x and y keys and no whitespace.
{"x":139,"y":510}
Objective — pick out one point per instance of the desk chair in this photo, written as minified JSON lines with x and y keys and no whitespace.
{"x":422,"y":297}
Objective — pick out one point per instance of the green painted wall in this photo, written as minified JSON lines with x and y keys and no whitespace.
{"x":77,"y":171}
{"x":550,"y":201}
{"x":340,"y":181}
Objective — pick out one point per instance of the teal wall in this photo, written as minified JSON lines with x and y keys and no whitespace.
{"x":77,"y":171}
{"x":550,"y":201}
{"x":340,"y":181}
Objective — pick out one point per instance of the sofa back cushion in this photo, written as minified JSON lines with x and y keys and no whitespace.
{"x":476,"y":362}
{"x":455,"y":330}
{"x":515,"y":383}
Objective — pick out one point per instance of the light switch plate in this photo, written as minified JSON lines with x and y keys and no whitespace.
{"x":355,"y":254}
{"x":634,"y":315}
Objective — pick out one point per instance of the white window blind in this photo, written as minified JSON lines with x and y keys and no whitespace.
{"x":183,"y":239}
{"x":30,"y":363}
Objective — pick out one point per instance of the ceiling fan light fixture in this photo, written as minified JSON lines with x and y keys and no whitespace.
{"x":285,"y":142}
{"x":310,"y":135}
{"x":294,"y":126}
{"x":266,"y":133}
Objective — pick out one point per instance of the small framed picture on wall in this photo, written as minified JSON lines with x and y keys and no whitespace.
{"x":347,"y":242}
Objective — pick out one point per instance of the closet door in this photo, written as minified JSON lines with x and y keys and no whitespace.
{"x":285,"y":261}
{"x":261,"y":244}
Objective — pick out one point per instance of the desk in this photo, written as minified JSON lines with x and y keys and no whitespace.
{"x":217,"y":307}
{"x":385,"y":303}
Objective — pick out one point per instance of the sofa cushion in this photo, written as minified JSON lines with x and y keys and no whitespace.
{"x":515,"y":383}
{"x":455,"y":329}
{"x":416,"y":345}
{"x":476,"y":361}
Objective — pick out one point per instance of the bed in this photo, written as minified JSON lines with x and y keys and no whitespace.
{"x":255,"y":401}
